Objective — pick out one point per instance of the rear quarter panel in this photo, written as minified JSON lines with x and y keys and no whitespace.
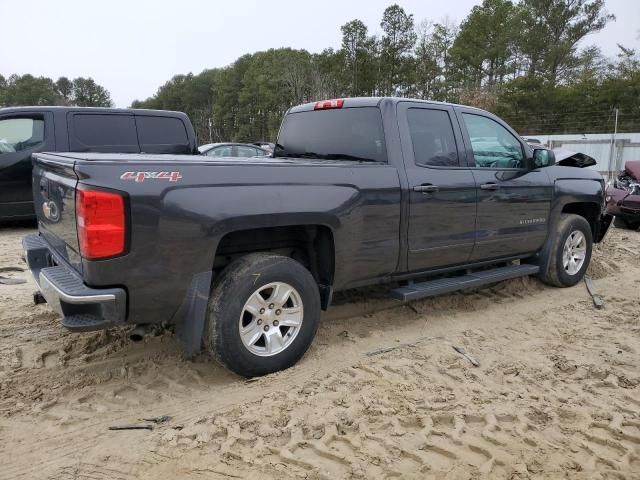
{"x":176,"y":226}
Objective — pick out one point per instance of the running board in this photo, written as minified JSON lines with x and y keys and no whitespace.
{"x":471,"y":280}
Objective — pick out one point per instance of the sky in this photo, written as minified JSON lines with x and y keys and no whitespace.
{"x":132,"y":47}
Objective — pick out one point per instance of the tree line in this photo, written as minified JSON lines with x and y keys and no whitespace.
{"x":525,"y":61}
{"x":30,"y":90}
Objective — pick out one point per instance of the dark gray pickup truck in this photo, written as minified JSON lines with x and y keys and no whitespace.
{"x":240,"y":255}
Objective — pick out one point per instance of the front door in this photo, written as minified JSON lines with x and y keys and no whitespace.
{"x":21,"y":135}
{"x":513,"y":200}
{"x":442,"y":193}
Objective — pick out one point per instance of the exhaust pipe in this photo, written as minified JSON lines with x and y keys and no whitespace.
{"x":138,"y":333}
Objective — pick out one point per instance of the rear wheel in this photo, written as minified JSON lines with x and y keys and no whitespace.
{"x":566,"y":260}
{"x":263,"y":314}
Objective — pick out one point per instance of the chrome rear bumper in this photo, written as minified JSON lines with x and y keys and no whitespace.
{"x":83,"y":308}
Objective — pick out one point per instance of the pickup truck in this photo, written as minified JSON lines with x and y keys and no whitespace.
{"x":239,"y":256}
{"x":28,"y":130}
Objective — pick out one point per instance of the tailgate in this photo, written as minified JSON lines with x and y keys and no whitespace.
{"x":54,"y":195}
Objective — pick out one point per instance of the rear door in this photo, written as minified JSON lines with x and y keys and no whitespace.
{"x":20,"y":136}
{"x":442,"y":193}
{"x":513,"y":200}
{"x":102,"y":132}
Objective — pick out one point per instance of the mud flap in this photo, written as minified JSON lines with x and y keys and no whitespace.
{"x":190,"y":318}
{"x":602,"y":227}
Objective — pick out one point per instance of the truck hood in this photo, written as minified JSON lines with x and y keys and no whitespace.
{"x":624,"y":194}
{"x":568,"y":158}
{"x":632,"y":168}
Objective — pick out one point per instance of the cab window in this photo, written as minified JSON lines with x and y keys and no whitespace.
{"x":432,"y":137}
{"x":493,"y":145}
{"x":18,"y":134}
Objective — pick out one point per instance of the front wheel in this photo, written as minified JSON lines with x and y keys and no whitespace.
{"x":565,"y":262}
{"x":263,"y":314}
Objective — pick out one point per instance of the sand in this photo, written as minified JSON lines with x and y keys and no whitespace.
{"x":381,"y":393}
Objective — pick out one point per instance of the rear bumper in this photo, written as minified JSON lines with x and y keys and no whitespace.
{"x":82,"y":308}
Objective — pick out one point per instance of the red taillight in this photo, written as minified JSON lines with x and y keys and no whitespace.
{"x":327,"y":104}
{"x":100,"y":218}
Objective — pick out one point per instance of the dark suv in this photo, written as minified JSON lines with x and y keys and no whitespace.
{"x":27,"y":130}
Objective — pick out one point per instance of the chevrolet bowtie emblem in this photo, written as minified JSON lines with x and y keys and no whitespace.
{"x":51,"y":211}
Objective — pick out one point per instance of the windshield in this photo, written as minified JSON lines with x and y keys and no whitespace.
{"x":336,"y":134}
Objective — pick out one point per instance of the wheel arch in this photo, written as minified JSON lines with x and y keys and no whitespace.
{"x":590,"y":211}
{"x":311,"y":244}
{"x":583,"y":197}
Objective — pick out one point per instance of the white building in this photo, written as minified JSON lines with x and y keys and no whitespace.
{"x":610,"y":154}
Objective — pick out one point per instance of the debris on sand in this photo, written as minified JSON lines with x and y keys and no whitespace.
{"x":466,"y":355}
{"x":597,"y":299}
{"x":131,"y":427}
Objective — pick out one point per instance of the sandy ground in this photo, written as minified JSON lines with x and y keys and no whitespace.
{"x":381,"y":394}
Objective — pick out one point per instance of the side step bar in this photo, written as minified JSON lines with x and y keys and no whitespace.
{"x":440,"y":286}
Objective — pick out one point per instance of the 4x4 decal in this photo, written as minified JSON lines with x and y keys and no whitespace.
{"x":141,"y":176}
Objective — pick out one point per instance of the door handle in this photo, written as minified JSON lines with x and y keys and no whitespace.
{"x":427,"y":188}
{"x":489,"y":186}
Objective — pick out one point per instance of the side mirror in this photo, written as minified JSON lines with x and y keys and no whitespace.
{"x":543,"y":157}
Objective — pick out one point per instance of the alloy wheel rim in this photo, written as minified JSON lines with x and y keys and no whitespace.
{"x":574,"y":252}
{"x":271,"y":319}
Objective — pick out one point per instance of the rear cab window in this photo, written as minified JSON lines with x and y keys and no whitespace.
{"x":334,"y":134}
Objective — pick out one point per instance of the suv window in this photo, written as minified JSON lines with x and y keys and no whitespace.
{"x":432,"y":137}
{"x":104,"y":133}
{"x":493,"y":145}
{"x":261,"y":153}
{"x":158,"y":131}
{"x":247,"y":151}
{"x":337,"y":134}
{"x":219,"y":151}
{"x":18,"y":134}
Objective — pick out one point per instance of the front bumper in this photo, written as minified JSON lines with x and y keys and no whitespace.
{"x":82,"y":308}
{"x":620,"y":202}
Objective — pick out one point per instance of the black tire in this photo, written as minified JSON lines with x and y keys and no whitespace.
{"x":231,"y":291}
{"x":552,"y":271}
{"x":626,"y":223}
